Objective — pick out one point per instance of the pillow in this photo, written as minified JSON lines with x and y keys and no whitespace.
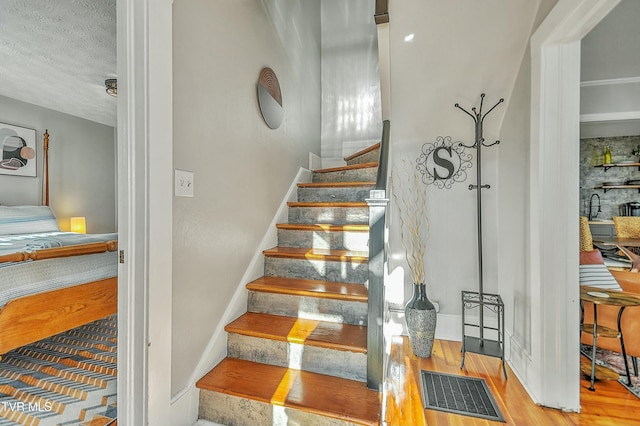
{"x":592,"y":257}
{"x":598,"y":275}
{"x":27,"y":220}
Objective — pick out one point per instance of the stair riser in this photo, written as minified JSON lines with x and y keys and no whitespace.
{"x":232,"y":410}
{"x":358,"y":241}
{"x":369,"y":157}
{"x":333,"y":194}
{"x":333,"y":216}
{"x":350,"y":272}
{"x":339,"y":311}
{"x":344,"y":364}
{"x":366,"y":174}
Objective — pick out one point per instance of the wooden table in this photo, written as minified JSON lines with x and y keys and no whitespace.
{"x":598,"y":296}
{"x":625,"y":242}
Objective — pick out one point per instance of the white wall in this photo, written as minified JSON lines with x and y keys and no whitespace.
{"x":611,"y":48}
{"x":513,"y":176}
{"x":610,"y":74}
{"x":351,"y":110}
{"x":82,"y":172}
{"x":242,"y":168}
{"x":458,"y":50}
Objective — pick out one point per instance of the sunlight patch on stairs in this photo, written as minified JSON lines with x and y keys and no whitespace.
{"x":280,"y":415}
{"x":301,"y":330}
{"x":286,"y":384}
{"x":296,"y":352}
{"x":299,"y":333}
{"x":309,"y":310}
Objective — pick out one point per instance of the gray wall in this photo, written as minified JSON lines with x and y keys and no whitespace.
{"x":611,"y":49}
{"x":242,"y":169}
{"x":82,"y":169}
{"x":610,"y":74}
{"x":591,"y":154}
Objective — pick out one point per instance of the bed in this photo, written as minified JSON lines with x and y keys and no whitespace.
{"x":51,"y":281}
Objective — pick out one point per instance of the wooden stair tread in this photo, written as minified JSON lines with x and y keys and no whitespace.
{"x":326,"y":204}
{"x":350,"y":167}
{"x":335,"y":184}
{"x":318,"y":254}
{"x":321,"y":227}
{"x":362,"y":152}
{"x":322,"y":334}
{"x":316,"y":393}
{"x":310,"y":288}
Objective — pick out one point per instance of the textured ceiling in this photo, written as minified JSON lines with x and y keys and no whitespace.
{"x":57,"y":54}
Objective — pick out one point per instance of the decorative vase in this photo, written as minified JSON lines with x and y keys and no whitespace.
{"x":420,"y":315}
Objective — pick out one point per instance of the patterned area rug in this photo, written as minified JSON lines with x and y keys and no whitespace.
{"x":615,"y":362}
{"x":68,"y":379}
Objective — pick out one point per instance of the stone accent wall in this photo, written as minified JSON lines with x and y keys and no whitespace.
{"x":592,"y":154}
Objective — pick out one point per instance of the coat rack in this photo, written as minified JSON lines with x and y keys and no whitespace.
{"x":470,"y":299}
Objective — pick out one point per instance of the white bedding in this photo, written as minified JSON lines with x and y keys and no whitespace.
{"x":27,"y":278}
{"x":31,"y":228}
{"x":32,"y":277}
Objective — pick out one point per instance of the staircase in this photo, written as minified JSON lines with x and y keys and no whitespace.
{"x":299,"y":355}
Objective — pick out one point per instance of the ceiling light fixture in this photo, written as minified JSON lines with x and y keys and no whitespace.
{"x":112,"y":86}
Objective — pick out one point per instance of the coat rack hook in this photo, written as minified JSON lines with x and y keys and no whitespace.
{"x":467,"y":112}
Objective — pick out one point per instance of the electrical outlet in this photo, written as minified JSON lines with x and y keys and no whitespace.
{"x":183,"y":183}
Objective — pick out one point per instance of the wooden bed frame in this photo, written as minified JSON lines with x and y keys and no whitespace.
{"x":31,"y":318}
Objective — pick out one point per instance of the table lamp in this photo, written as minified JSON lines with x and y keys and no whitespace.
{"x":79,"y":225}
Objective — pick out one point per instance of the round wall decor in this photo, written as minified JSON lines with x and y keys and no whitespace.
{"x":270,"y":98}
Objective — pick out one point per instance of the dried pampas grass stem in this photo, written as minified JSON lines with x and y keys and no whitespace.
{"x":411,"y":200}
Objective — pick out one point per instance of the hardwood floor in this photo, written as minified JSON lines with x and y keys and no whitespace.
{"x":611,"y":404}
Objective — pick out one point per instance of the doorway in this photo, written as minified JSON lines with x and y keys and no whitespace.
{"x":553,"y":232}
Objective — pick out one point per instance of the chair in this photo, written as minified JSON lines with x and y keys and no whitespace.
{"x":586,"y":240}
{"x":628,"y":227}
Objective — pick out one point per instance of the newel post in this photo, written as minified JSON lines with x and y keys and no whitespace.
{"x":377,"y":202}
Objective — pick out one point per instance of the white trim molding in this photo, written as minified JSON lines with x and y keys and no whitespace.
{"x":610,"y":82}
{"x":145,"y":113}
{"x":610,"y":116}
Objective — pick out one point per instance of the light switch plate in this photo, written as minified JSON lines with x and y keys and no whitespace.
{"x":183,"y":183}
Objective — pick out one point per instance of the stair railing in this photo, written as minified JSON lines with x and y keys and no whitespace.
{"x":377,"y":202}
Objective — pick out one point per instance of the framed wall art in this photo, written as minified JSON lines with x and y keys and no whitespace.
{"x":18,"y":146}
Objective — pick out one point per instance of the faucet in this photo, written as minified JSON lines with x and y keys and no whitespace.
{"x":591,"y":214}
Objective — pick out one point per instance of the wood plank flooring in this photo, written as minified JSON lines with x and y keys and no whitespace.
{"x":611,"y":404}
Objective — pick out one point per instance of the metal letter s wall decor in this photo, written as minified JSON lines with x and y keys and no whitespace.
{"x":443,"y":162}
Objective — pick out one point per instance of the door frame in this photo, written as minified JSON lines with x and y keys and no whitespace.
{"x":552,"y":234}
{"x":144,"y":56}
